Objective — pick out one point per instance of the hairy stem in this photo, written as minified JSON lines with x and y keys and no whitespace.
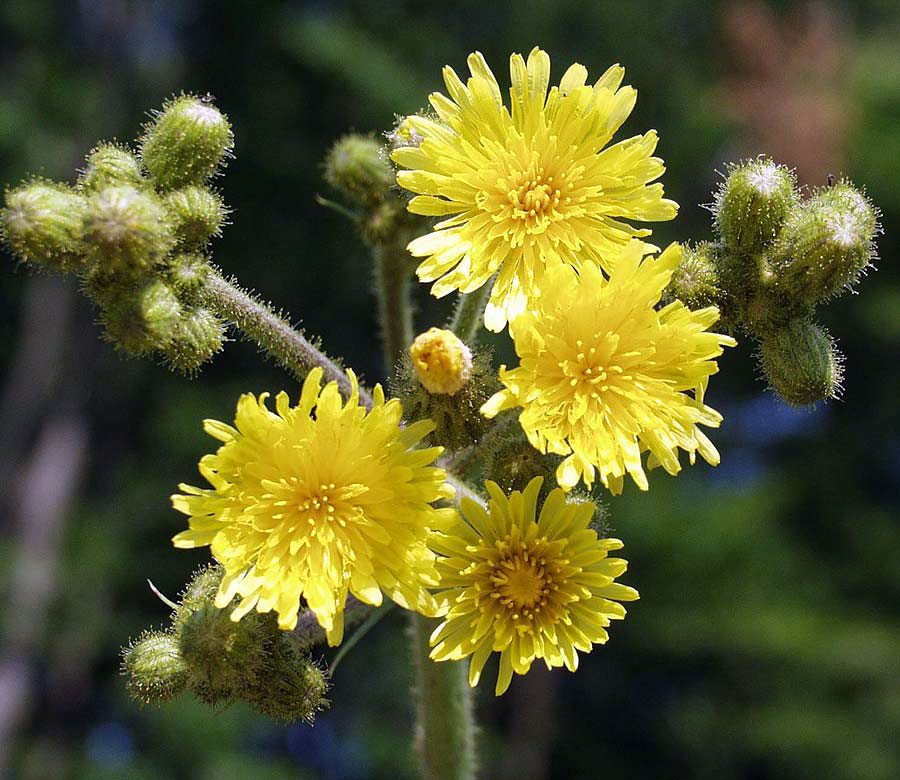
{"x":468,"y":316}
{"x":445,"y":728}
{"x":395,"y":314}
{"x":259,"y":322}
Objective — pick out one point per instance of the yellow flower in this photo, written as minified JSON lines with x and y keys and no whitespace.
{"x":602,"y":373}
{"x":524,"y":588}
{"x":314,"y":506}
{"x":529,"y":188}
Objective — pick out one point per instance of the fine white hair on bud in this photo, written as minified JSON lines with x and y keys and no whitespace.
{"x":111,"y":165}
{"x":753,"y":203}
{"x":802,"y":363}
{"x":42,"y":222}
{"x":186,"y":143}
{"x":826,"y":245}
{"x":126,"y":230}
{"x":356,"y":167}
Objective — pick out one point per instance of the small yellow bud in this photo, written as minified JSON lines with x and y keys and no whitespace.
{"x":404,"y":134}
{"x":442,"y":362}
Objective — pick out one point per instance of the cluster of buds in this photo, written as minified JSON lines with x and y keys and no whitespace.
{"x":219,"y":660}
{"x":135,"y":229}
{"x":778,"y":256}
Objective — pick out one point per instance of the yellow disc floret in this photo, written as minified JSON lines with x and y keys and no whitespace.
{"x":527,"y":187}
{"x":316,"y":500}
{"x":442,"y":361}
{"x":527,"y":587}
{"x":603,"y":374}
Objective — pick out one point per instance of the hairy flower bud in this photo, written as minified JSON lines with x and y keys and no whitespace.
{"x":695,"y":281}
{"x":127,"y":230}
{"x":43,"y":223}
{"x":357,"y":167}
{"x":111,"y":165}
{"x":186,"y":273}
{"x":291,"y":687}
{"x":753,"y":203}
{"x":198,"y":336}
{"x":802,"y":363}
{"x":827,"y":244}
{"x":197,"y":214}
{"x":224,"y":656}
{"x":442,"y":362}
{"x":186,"y":142}
{"x":445,"y":363}
{"x":154,"y":669}
{"x":144,"y":321}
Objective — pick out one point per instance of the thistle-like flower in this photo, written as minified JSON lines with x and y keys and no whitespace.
{"x":316,"y":506}
{"x":603,"y":374}
{"x":523,"y":585}
{"x":530,"y":187}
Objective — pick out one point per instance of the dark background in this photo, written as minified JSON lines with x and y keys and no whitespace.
{"x":766,"y":643}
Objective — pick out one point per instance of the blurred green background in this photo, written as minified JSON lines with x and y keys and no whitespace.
{"x":766,"y":643}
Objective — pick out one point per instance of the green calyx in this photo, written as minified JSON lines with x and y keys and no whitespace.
{"x":196,"y":338}
{"x":695,"y":281}
{"x":143,"y":320}
{"x":185,"y":143}
{"x":43,"y":223}
{"x":154,"y":669}
{"x":457,"y":417}
{"x":111,"y":165}
{"x":356,"y":167}
{"x":219,"y":660}
{"x":753,"y":203}
{"x":802,"y":363}
{"x":127,"y":230}
{"x":512,"y":462}
{"x":826,"y":245}
{"x":196,"y":214}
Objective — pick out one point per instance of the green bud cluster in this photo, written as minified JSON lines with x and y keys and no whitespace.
{"x":458,"y":421}
{"x":777,"y":256}
{"x":512,"y":462}
{"x":219,"y":660}
{"x":135,"y":229}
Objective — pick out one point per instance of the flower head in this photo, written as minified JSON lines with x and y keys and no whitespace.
{"x":603,"y":373}
{"x":523,"y":586}
{"x":527,"y":187}
{"x":316,"y":505}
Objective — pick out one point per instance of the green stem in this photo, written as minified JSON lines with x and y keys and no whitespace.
{"x":395,"y":314}
{"x":260,"y":323}
{"x":468,"y":316}
{"x":444,"y":724}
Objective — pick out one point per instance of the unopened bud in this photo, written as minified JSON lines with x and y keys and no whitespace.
{"x":142,"y":321}
{"x":442,"y":361}
{"x":223,"y":655}
{"x":154,"y":669}
{"x":753,"y":203}
{"x":111,"y":165}
{"x":187,"y":272}
{"x":198,"y":336}
{"x":356,"y":167}
{"x":827,"y":244}
{"x":197,"y":214}
{"x":186,"y":143}
{"x":126,"y":229}
{"x":802,"y":363}
{"x":291,"y":687}
{"x":43,"y":223}
{"x":695,"y":281}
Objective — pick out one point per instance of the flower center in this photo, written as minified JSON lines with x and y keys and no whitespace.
{"x":329,"y":504}
{"x":520,"y":581}
{"x":534,"y":198}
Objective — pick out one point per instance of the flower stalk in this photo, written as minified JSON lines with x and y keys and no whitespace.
{"x":272,"y":332}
